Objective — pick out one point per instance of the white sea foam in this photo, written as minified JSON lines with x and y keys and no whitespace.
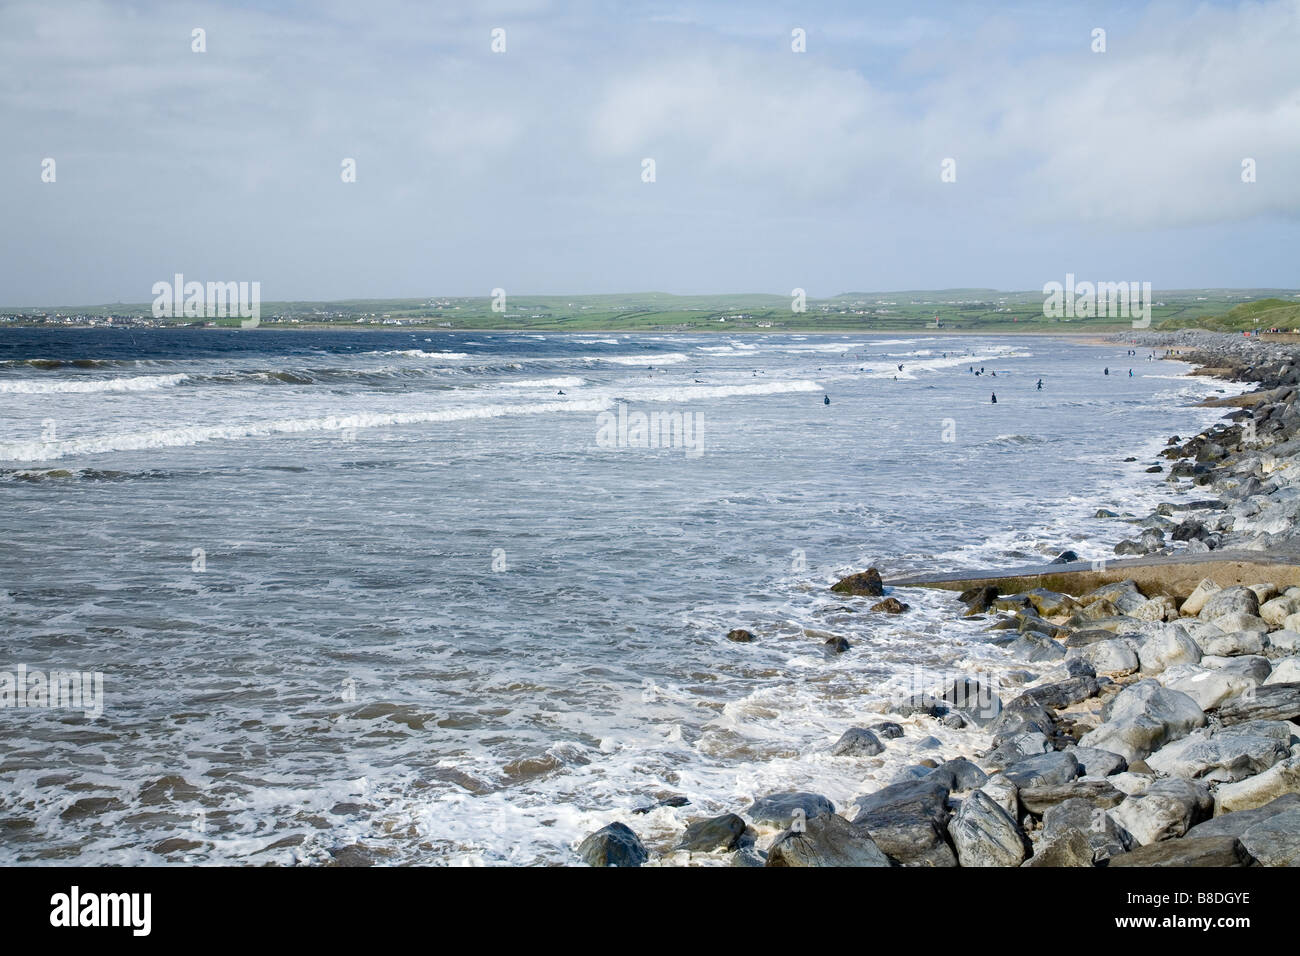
{"x":135,"y":383}
{"x":664,"y":358}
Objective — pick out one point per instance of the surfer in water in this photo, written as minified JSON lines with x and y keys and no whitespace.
{"x":1040,"y":384}
{"x":994,"y":400}
{"x":1105,"y":371}
{"x":826,"y":399}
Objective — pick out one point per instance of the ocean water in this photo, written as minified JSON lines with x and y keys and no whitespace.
{"x":396,"y":596}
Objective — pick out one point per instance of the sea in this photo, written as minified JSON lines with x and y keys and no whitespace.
{"x":462,"y":598}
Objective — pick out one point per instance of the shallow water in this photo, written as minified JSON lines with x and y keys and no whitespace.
{"x":391,"y":589}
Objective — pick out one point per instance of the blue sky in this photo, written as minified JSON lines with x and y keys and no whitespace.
{"x":522,"y":169}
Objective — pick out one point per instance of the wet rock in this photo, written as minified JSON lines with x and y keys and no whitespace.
{"x":863,"y":584}
{"x":857,"y":742}
{"x":1065,"y":557}
{"x":975,"y":700}
{"x":1043,"y":770}
{"x":1276,"y":840}
{"x":1142,"y":718}
{"x":1267,"y":702}
{"x":1022,"y":715}
{"x":891,"y":606}
{"x":960,"y":774}
{"x":1051,"y":603}
{"x":827,"y":840}
{"x":979,"y":600}
{"x":1168,"y":808}
{"x":909,"y":822}
{"x":837,"y":645}
{"x":1033,"y":646}
{"x":1064,"y":693}
{"x":740,"y":635}
{"x":673,"y":801}
{"x":887,"y":730}
{"x":1014,"y":749}
{"x":1202,"y":852}
{"x":716,"y":833}
{"x":984,"y":835}
{"x":614,"y":845}
{"x":920,"y":704}
{"x":782,"y":809}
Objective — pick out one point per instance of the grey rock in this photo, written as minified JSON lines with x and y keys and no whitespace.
{"x":1168,"y":808}
{"x":1234,"y":643}
{"x":1105,"y":837}
{"x":1033,"y":646}
{"x":1097,"y":763}
{"x":1221,"y":758}
{"x":857,"y":742}
{"x":1044,"y":770}
{"x":1109,"y":656}
{"x":1005,"y":794}
{"x":960,"y":774}
{"x":1235,"y":824}
{"x":1275,"y":841}
{"x":1064,"y":693}
{"x":1233,"y":600}
{"x":613,"y":845}
{"x":1201,"y":852}
{"x":1142,"y":718}
{"x":1098,"y":793}
{"x":1277,"y":781}
{"x":984,"y":835}
{"x":1166,"y":647}
{"x":976,"y":701}
{"x":1268,"y":702}
{"x":716,"y":833}
{"x":1071,"y":848}
{"x":1015,"y":749}
{"x":827,"y":840}
{"x":888,"y":730}
{"x":781,"y":809}
{"x":909,"y":821}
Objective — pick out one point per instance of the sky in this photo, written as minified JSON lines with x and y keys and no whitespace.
{"x":524,"y":169}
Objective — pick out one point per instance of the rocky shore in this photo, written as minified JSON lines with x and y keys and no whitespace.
{"x":1129,"y":729}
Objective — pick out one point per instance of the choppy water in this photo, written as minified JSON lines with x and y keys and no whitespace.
{"x":437,"y":618}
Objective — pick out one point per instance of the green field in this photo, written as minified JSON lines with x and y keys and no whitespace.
{"x":957,"y":310}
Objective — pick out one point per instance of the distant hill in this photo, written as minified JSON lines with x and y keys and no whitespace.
{"x":1261,"y":314}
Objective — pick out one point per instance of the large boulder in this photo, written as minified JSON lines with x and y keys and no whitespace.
{"x":1049,"y":769}
{"x":976,"y":700}
{"x":782,"y":809}
{"x":1038,"y":800}
{"x":1097,"y":763}
{"x":909,"y":821}
{"x":1105,"y":837}
{"x":1220,"y":758}
{"x":1196,"y":600}
{"x":1209,"y":688}
{"x":715,"y":833}
{"x":1071,"y":848}
{"x":826,"y":840}
{"x":985,"y":835}
{"x":1286,"y":671}
{"x":960,"y":774}
{"x":1125,"y":596}
{"x":1237,"y":823}
{"x":1062,"y":694}
{"x":1142,"y":718}
{"x":1014,"y":749}
{"x":1114,"y":657}
{"x":1051,"y":603}
{"x":1234,"y":643}
{"x":1233,"y":600}
{"x":1279,"y":609}
{"x":1034,"y":646}
{"x":613,"y":845}
{"x":1284,"y":641}
{"x":1200,"y":852}
{"x":1275,"y":841}
{"x":1267,"y":702}
{"x":1165,"y":646}
{"x":1168,"y":808}
{"x":1279,"y":780}
{"x":1004,"y":793}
